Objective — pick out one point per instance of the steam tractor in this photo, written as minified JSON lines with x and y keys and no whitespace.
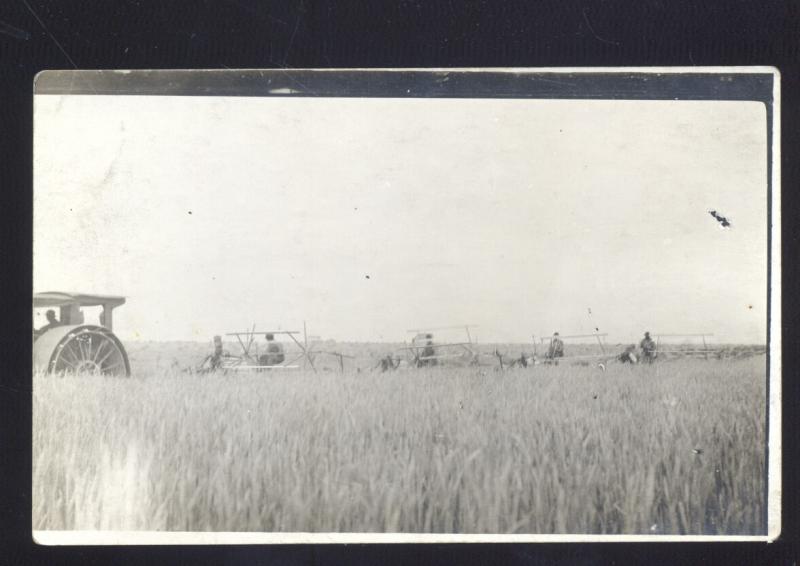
{"x":67,"y":344}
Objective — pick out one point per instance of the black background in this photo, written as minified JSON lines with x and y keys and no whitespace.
{"x":161,"y":34}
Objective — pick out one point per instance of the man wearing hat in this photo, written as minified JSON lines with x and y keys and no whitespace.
{"x":52,"y":322}
{"x":274,"y":355}
{"x":428,"y":356}
{"x":213,"y":362}
{"x":556,"y":348}
{"x":648,"y":347}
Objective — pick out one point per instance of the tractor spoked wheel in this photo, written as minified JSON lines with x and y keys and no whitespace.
{"x":89,"y":350}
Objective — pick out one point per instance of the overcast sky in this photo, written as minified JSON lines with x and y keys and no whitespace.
{"x":368,"y":217}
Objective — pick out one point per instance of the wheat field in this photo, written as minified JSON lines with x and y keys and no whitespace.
{"x":678,"y":447}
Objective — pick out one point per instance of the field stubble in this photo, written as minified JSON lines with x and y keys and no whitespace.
{"x":673,"y":448}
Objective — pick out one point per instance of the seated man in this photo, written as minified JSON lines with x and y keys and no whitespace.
{"x":52,"y":322}
{"x":555,"y":350}
{"x":428,"y":351}
{"x":274,"y":355}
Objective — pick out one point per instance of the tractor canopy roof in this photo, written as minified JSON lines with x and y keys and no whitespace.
{"x":60,"y":298}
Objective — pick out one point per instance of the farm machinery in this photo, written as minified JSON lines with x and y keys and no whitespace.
{"x":665,"y":346}
{"x":684,"y":345}
{"x":555,"y":350}
{"x":67,"y":344}
{"x":270,"y":356}
{"x":425,"y":351}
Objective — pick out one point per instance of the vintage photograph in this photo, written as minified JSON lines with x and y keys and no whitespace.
{"x":436,"y":305}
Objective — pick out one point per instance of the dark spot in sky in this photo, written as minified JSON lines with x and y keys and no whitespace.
{"x":355,"y":208}
{"x":594,"y":397}
{"x":367,"y":276}
{"x":190,"y":212}
{"x":724,"y":222}
{"x":750,"y":307}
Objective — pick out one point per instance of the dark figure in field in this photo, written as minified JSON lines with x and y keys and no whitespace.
{"x":522,"y":360}
{"x":427,"y":352}
{"x":648,"y":347}
{"x":52,"y":322}
{"x":387,"y":363}
{"x":274,"y":355}
{"x":213,"y":361}
{"x":629,"y":355}
{"x":556,"y":349}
